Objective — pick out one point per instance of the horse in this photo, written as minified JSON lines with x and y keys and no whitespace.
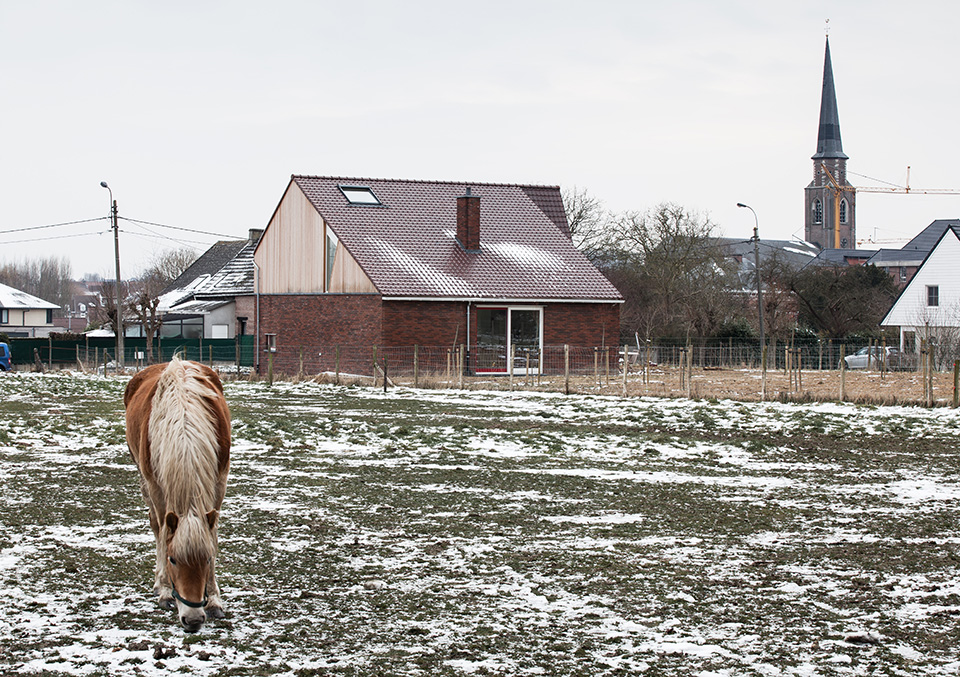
{"x":178,"y":433}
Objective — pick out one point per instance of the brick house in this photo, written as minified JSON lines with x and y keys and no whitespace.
{"x":353,"y":262}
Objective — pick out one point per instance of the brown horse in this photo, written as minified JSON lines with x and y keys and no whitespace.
{"x":178,"y":431}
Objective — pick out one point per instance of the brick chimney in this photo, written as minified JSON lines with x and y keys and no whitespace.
{"x":253,"y":234}
{"x":468,"y":221}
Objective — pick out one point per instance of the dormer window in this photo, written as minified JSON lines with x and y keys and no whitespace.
{"x":359,"y":195}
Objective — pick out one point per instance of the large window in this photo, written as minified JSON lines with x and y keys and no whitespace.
{"x":182,"y":327}
{"x":817,"y":211}
{"x":843,"y":211}
{"x":331,"y":256}
{"x":933,"y":295}
{"x":505,"y":331}
{"x":4,"y":316}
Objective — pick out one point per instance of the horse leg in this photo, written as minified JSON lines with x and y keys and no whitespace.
{"x":214,"y":607}
{"x":161,"y":583}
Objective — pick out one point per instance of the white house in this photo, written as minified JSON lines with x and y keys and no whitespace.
{"x":23,"y":315}
{"x":929,"y":306}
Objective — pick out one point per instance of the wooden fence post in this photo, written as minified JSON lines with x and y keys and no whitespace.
{"x":336,"y":358}
{"x":956,"y":383}
{"x":626,"y":368}
{"x":596,"y":366}
{"x":843,"y":372}
{"x":566,"y":369}
{"x":416,"y":366}
{"x":763,"y":371}
{"x":461,"y":360}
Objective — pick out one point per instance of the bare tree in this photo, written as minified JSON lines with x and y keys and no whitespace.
{"x":588,"y":219}
{"x":671,"y":271}
{"x":144,"y":292}
{"x":46,"y":278}
{"x":144,"y":303}
{"x":169,"y":265}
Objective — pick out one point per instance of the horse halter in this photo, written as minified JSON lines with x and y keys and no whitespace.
{"x":193,"y":605}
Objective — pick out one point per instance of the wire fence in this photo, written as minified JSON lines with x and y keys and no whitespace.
{"x":739,"y":370}
{"x":242,"y":353}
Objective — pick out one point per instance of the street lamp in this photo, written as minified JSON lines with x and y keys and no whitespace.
{"x":116,"y":247}
{"x":756,"y":258}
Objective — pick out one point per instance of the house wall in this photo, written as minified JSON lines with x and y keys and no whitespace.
{"x":224,"y":315}
{"x":27,"y":323}
{"x":940,"y":269}
{"x":426,"y":323}
{"x":348,"y":277}
{"x":290,"y":253}
{"x":318,"y":322}
{"x":246,"y":307}
{"x":581,"y":324}
{"x":443,"y":323}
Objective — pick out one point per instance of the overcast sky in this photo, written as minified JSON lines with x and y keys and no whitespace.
{"x":197,"y":113}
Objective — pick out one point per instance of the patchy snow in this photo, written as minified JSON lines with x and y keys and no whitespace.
{"x":443,"y":532}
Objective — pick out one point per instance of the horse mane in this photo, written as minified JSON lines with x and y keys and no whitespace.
{"x":183,"y":438}
{"x":191,"y":540}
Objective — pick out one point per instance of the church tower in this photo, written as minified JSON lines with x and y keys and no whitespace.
{"x":830,"y":200}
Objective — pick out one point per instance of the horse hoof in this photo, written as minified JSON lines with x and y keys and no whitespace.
{"x":215,"y":612}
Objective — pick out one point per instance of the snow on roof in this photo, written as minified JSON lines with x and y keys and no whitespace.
{"x":14,"y":298}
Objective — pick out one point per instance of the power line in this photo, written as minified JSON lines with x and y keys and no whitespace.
{"x":52,"y":225}
{"x":189,"y":230}
{"x":152,"y":236}
{"x":52,"y":237}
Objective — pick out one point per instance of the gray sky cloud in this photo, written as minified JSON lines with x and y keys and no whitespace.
{"x":198,"y":113}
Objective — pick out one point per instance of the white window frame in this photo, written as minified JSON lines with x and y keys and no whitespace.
{"x":511,"y":368}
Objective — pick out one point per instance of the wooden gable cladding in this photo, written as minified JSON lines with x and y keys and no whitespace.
{"x":292,"y":258}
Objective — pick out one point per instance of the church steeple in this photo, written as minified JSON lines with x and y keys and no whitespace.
{"x":830,"y":200}
{"x":828,"y":140}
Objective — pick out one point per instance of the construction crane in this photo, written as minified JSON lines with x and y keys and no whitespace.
{"x":906,"y":189}
{"x":838,"y":191}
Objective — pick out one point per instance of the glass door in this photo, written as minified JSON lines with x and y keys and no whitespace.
{"x":505,"y":329}
{"x":525,"y":340}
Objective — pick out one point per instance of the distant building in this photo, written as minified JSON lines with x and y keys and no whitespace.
{"x":214,"y":297}
{"x":23,"y":315}
{"x":929,"y":305}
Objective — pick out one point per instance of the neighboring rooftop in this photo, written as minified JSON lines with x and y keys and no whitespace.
{"x":224,"y":270}
{"x":11,"y":298}
{"x":406,"y":244}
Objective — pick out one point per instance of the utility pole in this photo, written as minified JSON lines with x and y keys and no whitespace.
{"x":116,"y":248}
{"x":756,"y":258}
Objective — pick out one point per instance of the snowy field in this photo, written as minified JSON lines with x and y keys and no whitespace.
{"x":471,"y":533}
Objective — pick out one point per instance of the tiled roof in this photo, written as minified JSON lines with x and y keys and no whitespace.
{"x":408,"y":246}
{"x":927,"y":238}
{"x":224,"y":270}
{"x":209,"y":263}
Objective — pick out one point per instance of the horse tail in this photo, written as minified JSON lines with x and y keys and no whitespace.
{"x":183,"y":437}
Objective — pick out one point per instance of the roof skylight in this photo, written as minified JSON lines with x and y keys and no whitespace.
{"x":359,"y":195}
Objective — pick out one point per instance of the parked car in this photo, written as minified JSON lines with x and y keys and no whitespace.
{"x":4,"y":357}
{"x":890,"y":357}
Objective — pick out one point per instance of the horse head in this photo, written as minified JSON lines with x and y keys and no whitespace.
{"x":191,"y":548}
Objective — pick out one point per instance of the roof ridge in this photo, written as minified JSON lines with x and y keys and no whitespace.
{"x":423,"y":181}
